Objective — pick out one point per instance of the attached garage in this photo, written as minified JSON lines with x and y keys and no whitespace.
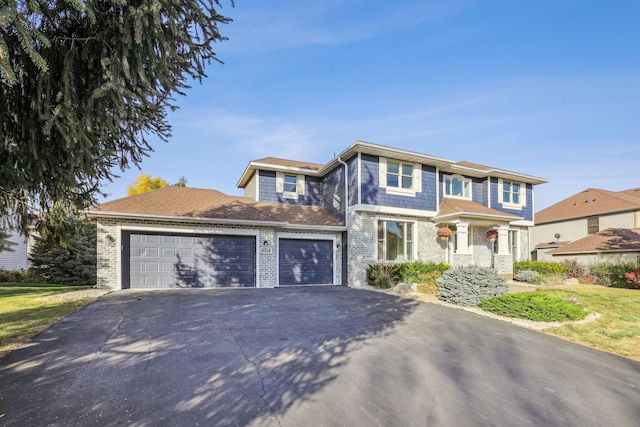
{"x":188,"y":261}
{"x":306,"y":261}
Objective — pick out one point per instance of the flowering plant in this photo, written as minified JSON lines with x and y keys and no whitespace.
{"x":491,"y":234}
{"x":444,"y":232}
{"x":633,"y":278}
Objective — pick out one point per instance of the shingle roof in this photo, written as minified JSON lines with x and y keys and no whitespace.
{"x":611,"y":239}
{"x":291,"y":163}
{"x":452,"y":205}
{"x":212,"y":204}
{"x":634,"y":192}
{"x":592,"y":201}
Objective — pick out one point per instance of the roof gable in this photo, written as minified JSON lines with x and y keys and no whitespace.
{"x":590,"y":202}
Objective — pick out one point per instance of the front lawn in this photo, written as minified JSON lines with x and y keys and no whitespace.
{"x":24,"y":312}
{"x":617,"y":331}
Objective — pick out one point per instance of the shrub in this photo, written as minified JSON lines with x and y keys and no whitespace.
{"x":575,"y":270}
{"x":467,"y":285}
{"x":633,"y":279}
{"x":534,"y":306}
{"x":428,"y":283}
{"x":540,"y":267}
{"x":382,"y":276}
{"x":528,"y":276}
{"x":16,"y":276}
{"x":588,"y":279}
{"x":612,"y":273}
{"x":412,"y":272}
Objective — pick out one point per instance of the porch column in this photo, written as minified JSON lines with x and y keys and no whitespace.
{"x":462,"y":238}
{"x":503,"y":240}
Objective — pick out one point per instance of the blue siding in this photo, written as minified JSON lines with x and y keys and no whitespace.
{"x":333,"y":193}
{"x":526,"y":211}
{"x":478,"y":189}
{"x":372,"y":194}
{"x":267,"y":190}
{"x":353,"y":181}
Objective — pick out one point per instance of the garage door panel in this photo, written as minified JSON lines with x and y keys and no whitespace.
{"x":305,"y":262}
{"x":192,"y":261}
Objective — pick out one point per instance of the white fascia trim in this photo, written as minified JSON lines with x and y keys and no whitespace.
{"x":523,"y":223}
{"x":328,"y":228}
{"x":254,"y":166}
{"x":119,"y":215}
{"x":499,"y":173}
{"x":392,"y":211}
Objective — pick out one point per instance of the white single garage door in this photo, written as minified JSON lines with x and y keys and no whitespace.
{"x":188,"y":261}
{"x":305,"y":262}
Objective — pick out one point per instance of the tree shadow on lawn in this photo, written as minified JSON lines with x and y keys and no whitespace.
{"x":213,"y":356}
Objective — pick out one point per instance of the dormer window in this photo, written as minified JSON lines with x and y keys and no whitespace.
{"x":510,"y":194}
{"x":400,"y":177}
{"x":291,"y":186}
{"x":457,"y":186}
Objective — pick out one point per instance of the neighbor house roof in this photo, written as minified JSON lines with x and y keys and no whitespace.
{"x":609,"y":240}
{"x":211,"y":206}
{"x":590,"y":202}
{"x":452,"y":207}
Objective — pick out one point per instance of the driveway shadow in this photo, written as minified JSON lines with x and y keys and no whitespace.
{"x":189,"y":357}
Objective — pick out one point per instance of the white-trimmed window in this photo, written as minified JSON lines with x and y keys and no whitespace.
{"x":511,"y":194}
{"x":395,"y":241}
{"x":290,"y":185}
{"x":457,"y":186}
{"x":400,"y":177}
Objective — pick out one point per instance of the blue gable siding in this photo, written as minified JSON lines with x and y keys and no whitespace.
{"x":354,"y":191}
{"x":526,"y":211}
{"x":267,"y":190}
{"x":372,"y":194}
{"x":333,"y":193}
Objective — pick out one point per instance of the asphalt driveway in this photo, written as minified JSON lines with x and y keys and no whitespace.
{"x":306,"y":356}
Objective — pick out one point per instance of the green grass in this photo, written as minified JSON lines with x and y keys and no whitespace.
{"x":23,"y":315}
{"x":617,"y":331}
{"x":535,"y":306}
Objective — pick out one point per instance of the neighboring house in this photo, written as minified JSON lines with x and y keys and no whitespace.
{"x":17,"y":258}
{"x":305,"y":223}
{"x":590,"y":226}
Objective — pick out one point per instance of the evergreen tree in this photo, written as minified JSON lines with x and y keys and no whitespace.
{"x":71,"y":261}
{"x":84,"y":84}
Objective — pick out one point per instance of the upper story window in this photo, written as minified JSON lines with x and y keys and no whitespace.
{"x":511,"y":194}
{"x":593,"y":224}
{"x":399,"y":177}
{"x":395,"y":241}
{"x":291,"y":186}
{"x":457,"y":186}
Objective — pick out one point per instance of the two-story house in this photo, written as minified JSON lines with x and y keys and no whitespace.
{"x":312,"y":224}
{"x":591,"y":226}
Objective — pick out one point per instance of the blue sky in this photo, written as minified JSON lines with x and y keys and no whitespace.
{"x":546,"y":88}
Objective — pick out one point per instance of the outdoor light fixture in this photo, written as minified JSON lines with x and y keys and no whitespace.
{"x":265,"y":243}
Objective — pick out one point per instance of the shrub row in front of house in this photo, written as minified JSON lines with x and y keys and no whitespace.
{"x":615,"y":273}
{"x":388,"y":275}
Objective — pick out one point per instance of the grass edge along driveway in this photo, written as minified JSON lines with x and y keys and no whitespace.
{"x":26,"y":309}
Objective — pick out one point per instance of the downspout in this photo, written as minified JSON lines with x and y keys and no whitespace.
{"x":346,"y":191}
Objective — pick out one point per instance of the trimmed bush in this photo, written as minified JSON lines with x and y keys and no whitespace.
{"x":612,"y":273}
{"x":534,"y":306}
{"x":541,"y":267}
{"x":467,"y":285}
{"x":633,"y":279}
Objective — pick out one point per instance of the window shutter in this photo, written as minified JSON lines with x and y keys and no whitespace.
{"x":300,"y":185}
{"x":382,"y":179}
{"x":279,"y":182}
{"x":417,"y":177}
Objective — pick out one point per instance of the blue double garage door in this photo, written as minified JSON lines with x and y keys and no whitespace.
{"x":154,"y":260}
